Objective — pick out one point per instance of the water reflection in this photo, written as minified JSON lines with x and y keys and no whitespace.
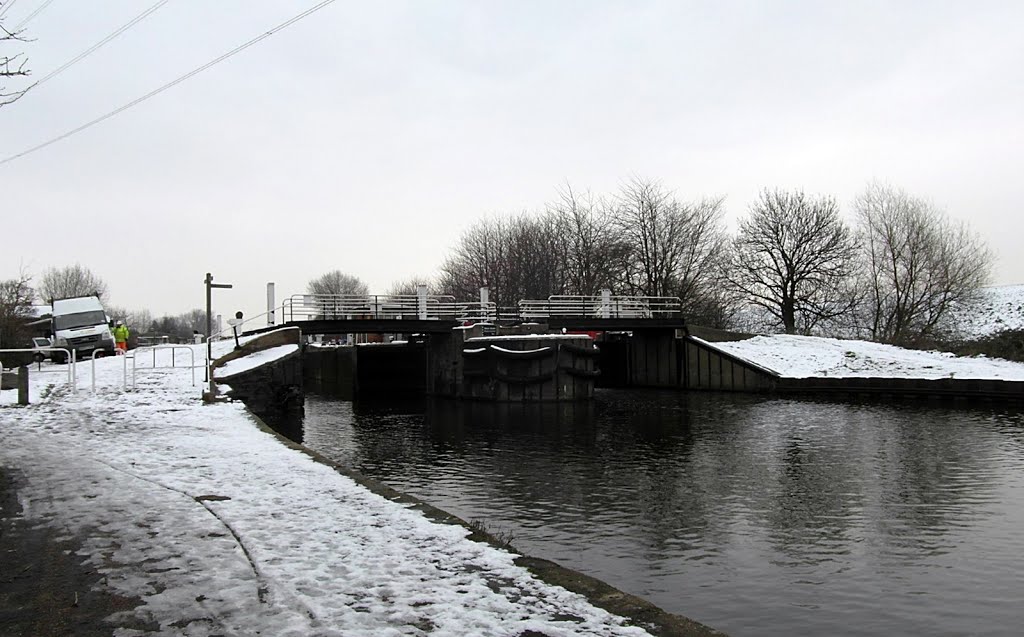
{"x":757,"y":516}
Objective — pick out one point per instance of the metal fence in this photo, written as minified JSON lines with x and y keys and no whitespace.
{"x":136,"y":355}
{"x":69,"y":368}
{"x":301,"y":307}
{"x":603,"y":306}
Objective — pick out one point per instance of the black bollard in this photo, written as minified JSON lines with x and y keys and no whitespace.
{"x":23,"y":385}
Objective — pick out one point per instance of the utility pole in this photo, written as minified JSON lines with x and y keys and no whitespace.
{"x":209,"y":325}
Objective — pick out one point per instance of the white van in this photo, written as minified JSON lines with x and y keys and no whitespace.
{"x":81,"y":324}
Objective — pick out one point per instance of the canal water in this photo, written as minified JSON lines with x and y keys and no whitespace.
{"x":754,"y":515}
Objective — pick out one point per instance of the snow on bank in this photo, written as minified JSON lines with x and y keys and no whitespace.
{"x":809,"y":356}
{"x":1000,"y":308}
{"x":221,"y":529}
{"x":251,"y":361}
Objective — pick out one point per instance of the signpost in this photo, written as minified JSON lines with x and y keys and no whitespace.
{"x":209,"y":325}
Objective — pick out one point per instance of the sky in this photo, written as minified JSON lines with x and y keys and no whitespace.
{"x":368,"y":137}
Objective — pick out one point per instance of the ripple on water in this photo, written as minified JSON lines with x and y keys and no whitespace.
{"x":756,"y":516}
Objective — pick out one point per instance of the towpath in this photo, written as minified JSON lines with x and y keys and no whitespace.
{"x":150,"y":513}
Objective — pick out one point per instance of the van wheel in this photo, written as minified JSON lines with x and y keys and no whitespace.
{"x":38,"y":358}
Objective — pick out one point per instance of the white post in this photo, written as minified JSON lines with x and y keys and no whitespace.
{"x":606,"y":303}
{"x":421,"y":301}
{"x":484,"y":294}
{"x":270,"y":303}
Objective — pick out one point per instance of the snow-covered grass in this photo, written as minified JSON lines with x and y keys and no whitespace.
{"x":222,"y":529}
{"x":1000,"y":308}
{"x":809,"y":356}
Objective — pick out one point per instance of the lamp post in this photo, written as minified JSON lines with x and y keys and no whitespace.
{"x":209,"y":325}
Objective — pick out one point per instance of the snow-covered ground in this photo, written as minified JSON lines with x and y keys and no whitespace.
{"x":809,"y":357}
{"x":254,"y":360}
{"x":1000,"y":308}
{"x":222,"y":529}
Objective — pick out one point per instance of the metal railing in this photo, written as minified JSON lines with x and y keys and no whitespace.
{"x":227,"y":332}
{"x":354,"y":307}
{"x":70,"y":358}
{"x":301,"y":307}
{"x":134,"y":355}
{"x":606,"y":306}
{"x":477,"y":312}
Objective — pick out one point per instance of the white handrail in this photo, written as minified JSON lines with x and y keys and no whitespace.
{"x":72,"y":378}
{"x":370,"y":306}
{"x":601,"y":307}
{"x":94,"y":353}
{"x":134,"y":354}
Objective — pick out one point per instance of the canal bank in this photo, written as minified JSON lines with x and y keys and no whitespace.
{"x":204,"y":522}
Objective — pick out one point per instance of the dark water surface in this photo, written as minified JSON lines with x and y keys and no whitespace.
{"x":756,"y":516}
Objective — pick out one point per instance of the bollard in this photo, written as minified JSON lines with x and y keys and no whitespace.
{"x":23,"y":385}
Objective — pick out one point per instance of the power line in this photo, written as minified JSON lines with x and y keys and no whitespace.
{"x":7,"y":7}
{"x":172,"y":83}
{"x":38,"y":10}
{"x":84,"y":54}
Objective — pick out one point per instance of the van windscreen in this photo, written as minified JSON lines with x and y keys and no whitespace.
{"x":81,"y":319}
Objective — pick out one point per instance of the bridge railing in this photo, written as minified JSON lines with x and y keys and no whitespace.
{"x":305,"y":307}
{"x":302,"y":307}
{"x":476,"y":312}
{"x":628,"y":307}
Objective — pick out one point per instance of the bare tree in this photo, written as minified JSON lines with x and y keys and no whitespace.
{"x":589,"y":248}
{"x":11,"y":66}
{"x":478,"y":260}
{"x":717,"y":304}
{"x":534,"y":269}
{"x":793,"y":258}
{"x":515,"y":257}
{"x":141,"y":321}
{"x":337,"y":282}
{"x":70,"y":281}
{"x":16,"y":298}
{"x":180,"y":327}
{"x":192,"y":321}
{"x":671,"y":246}
{"x":138,"y":321}
{"x":117,"y":313}
{"x":169,"y":325}
{"x":409,"y":286}
{"x":918,"y":264}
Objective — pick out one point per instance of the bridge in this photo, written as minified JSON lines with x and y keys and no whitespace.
{"x":645,"y":351}
{"x":435,"y":314}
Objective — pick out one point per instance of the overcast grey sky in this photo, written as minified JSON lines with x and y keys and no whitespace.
{"x":368,"y":136}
